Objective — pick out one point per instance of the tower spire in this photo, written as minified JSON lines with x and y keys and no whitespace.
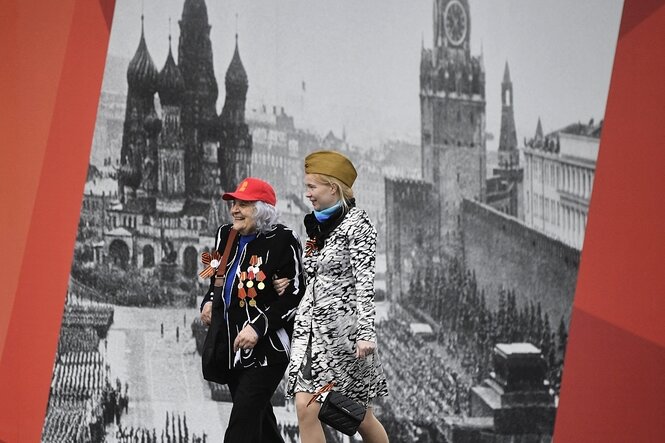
{"x":508,"y":137}
{"x":506,"y":74}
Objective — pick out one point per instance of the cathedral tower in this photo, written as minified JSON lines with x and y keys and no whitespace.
{"x":452,"y":106}
{"x":235,"y":150}
{"x":200,"y":95}
{"x":171,"y":155}
{"x":142,"y":85}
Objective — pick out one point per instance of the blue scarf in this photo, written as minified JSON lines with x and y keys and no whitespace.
{"x":325,"y":214}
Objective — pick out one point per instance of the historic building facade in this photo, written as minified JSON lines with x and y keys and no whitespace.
{"x":174,"y":163}
{"x":560,"y":169}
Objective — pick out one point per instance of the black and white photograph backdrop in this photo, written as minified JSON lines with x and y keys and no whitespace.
{"x":474,"y":126}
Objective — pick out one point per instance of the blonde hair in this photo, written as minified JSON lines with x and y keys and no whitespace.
{"x":345,"y":192}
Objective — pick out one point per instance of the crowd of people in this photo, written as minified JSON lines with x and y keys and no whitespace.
{"x":425,"y":388}
{"x":82,"y":400}
{"x":175,"y":431}
{"x":469,"y":328}
{"x":91,"y":317}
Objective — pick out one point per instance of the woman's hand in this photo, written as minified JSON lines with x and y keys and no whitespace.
{"x":364,"y":348}
{"x":206,"y":313}
{"x":280,"y":285}
{"x":246,"y":339}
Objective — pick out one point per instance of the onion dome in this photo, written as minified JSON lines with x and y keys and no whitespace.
{"x":130,"y":176}
{"x":152,"y":124}
{"x":236,"y":76}
{"x":142,"y":73}
{"x":195,"y":10}
{"x":171,"y":82}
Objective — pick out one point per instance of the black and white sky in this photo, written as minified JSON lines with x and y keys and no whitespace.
{"x":359,"y":59}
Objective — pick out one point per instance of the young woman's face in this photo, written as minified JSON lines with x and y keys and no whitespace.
{"x":243,"y":216}
{"x":321,"y":196}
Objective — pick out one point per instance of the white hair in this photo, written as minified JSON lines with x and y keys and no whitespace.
{"x":265,"y":216}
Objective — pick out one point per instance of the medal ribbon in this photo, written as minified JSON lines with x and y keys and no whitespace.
{"x":211,"y":262}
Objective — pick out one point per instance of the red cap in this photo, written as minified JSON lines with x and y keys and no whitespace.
{"x":253,"y":189}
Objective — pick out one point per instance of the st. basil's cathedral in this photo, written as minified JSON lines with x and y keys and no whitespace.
{"x":175,"y":163}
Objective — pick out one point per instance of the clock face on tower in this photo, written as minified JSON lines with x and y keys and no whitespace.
{"x":455,"y":22}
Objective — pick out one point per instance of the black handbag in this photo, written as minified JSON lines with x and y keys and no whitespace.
{"x":341,"y":412}
{"x":215,"y":354}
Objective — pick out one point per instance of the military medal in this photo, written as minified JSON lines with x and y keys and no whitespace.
{"x":241,"y":295}
{"x":251,"y":293}
{"x":250,"y":284}
{"x":260,"y":277}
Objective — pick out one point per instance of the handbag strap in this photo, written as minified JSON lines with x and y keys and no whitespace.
{"x":221,"y":270}
{"x":371,"y":378}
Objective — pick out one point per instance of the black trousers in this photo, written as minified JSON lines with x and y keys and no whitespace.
{"x":252,"y":418}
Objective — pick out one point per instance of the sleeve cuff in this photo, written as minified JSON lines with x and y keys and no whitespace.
{"x":366,"y":335}
{"x":260,"y":325}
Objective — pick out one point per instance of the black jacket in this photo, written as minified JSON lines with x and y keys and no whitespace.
{"x":280,"y":252}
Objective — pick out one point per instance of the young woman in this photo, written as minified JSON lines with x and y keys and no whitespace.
{"x":334,"y":330}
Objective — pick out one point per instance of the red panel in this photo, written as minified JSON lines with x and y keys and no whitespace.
{"x":635,"y":12}
{"x":614,"y":389}
{"x":108,"y":6}
{"x":621,"y":273}
{"x":33,"y":39}
{"x":30,"y":343}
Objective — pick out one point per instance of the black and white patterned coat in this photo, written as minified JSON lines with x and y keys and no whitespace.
{"x":338,"y":309}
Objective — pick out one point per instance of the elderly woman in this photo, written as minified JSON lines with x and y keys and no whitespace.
{"x":334,"y":329}
{"x":246,"y":314}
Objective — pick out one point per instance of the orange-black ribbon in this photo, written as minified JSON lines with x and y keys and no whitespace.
{"x":310,"y":246}
{"x":211,"y":263}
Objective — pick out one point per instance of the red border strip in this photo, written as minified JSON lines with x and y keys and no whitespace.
{"x":613,"y":386}
{"x":27,"y":360}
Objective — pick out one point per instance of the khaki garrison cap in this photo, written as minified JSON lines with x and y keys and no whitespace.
{"x":333,"y":164}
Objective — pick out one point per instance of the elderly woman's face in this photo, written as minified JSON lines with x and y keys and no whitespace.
{"x":320,"y":195}
{"x":243,"y":216}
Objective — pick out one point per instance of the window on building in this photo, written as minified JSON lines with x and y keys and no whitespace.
{"x":553,"y":211}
